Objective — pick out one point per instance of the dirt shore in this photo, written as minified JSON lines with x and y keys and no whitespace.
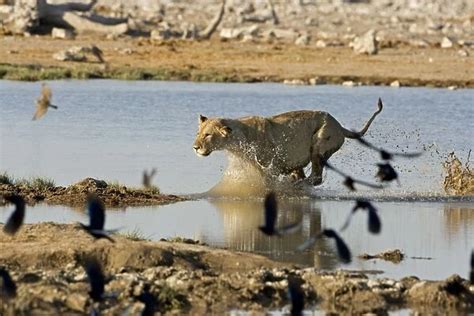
{"x":30,"y":58}
{"x":46,"y":262}
{"x":75,"y":194}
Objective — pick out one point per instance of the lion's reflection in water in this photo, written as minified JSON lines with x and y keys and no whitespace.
{"x":241,"y":219}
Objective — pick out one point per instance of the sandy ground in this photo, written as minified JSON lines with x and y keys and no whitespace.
{"x":46,"y":262}
{"x":140,"y":58}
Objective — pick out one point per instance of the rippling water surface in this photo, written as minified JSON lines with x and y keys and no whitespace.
{"x":112,"y":130}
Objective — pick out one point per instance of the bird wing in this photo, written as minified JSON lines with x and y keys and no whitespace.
{"x":308,"y":243}
{"x":342,"y":249}
{"x":374,"y":223}
{"x":96,"y":278}
{"x":46,"y":93}
{"x":9,"y":286}
{"x":96,"y":214}
{"x":290,"y":229}
{"x":41,"y":109}
{"x":348,"y":220}
{"x":271,"y":207}
{"x":16,"y":219}
{"x":370,"y":185}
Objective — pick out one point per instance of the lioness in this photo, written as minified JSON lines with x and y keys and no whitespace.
{"x":286,"y":142}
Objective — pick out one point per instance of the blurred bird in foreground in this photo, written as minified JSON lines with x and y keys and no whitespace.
{"x":44,"y":102}
{"x":271,"y":210}
{"x":471,"y":275}
{"x":386,"y":173}
{"x":374,"y":223}
{"x":96,"y":211}
{"x":149,"y":300}
{"x":296,"y":295}
{"x":16,"y":218}
{"x":8,"y":286}
{"x":386,"y":155}
{"x":349,"y":181}
{"x":96,"y":278}
{"x":342,"y":250}
{"x":147,"y":177}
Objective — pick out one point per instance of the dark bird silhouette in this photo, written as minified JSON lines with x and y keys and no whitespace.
{"x":349,"y":181}
{"x":96,"y":211}
{"x":16,"y":218}
{"x":147,"y":177}
{"x":374,"y":223}
{"x":386,"y":173}
{"x":271,"y":210}
{"x":296,"y":295}
{"x":149,"y":300}
{"x":8,"y":288}
{"x":96,"y":278}
{"x":44,"y":102}
{"x":386,"y":155}
{"x":98,"y":53}
{"x":471,"y":275}
{"x":343,"y":251}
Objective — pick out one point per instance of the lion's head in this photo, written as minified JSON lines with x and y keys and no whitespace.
{"x":212,"y":135}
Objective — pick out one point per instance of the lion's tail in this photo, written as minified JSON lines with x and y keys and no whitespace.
{"x":352,"y":134}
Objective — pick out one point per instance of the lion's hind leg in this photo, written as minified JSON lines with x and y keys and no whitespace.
{"x":325,"y":143}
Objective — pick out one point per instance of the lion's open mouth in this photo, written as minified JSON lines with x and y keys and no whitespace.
{"x":203,"y":153}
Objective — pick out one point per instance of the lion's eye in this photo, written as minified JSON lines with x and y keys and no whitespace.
{"x":207,"y":135}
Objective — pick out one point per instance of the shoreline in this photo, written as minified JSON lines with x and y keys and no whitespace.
{"x":30,"y":59}
{"x":192,"y":278}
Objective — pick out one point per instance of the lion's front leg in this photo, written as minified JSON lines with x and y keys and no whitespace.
{"x":316,"y":176}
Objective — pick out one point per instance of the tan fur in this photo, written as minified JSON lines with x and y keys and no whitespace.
{"x":287,"y":142}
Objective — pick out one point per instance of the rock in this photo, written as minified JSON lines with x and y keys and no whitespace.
{"x":286,"y":34}
{"x":419,"y":43}
{"x":62,"y":33}
{"x":316,"y":81}
{"x":349,"y":83}
{"x":233,"y":33}
{"x":79,"y":54}
{"x":395,"y":84}
{"x":303,"y":40}
{"x":321,"y":44}
{"x":366,"y":44}
{"x":452,"y":88}
{"x":66,"y":55}
{"x":446,"y":42}
{"x":463,"y":53}
{"x":294,"y":82}
{"x":77,"y":302}
{"x":160,"y":35}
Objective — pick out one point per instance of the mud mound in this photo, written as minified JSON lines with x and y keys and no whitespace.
{"x":45,"y":260}
{"x":75,"y":195}
{"x":459,"y":178}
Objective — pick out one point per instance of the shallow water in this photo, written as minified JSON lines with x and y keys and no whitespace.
{"x":114,"y":129}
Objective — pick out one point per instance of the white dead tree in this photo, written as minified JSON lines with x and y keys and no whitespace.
{"x":28,"y":15}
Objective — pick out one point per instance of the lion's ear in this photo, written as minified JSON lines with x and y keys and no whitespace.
{"x":202,"y":119}
{"x":225,"y":131}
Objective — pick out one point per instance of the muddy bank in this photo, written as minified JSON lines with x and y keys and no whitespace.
{"x":215,"y":61}
{"x":75,"y":195}
{"x":45,"y":260}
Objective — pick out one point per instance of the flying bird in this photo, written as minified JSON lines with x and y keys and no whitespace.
{"x":147,"y":177}
{"x":149,"y":300}
{"x":96,"y":211}
{"x":271,"y":210}
{"x":349,"y":181}
{"x":96,"y":278}
{"x":16,"y":218}
{"x":8,"y":288}
{"x":386,"y":173}
{"x":296,"y":295}
{"x":98,"y":53}
{"x":343,"y":251}
{"x":374,"y":223}
{"x":44,"y":102}
{"x":386,"y":155}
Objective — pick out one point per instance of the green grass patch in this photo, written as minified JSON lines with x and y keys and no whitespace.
{"x":5,"y":178}
{"x":134,"y":235}
{"x":36,"y":183}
